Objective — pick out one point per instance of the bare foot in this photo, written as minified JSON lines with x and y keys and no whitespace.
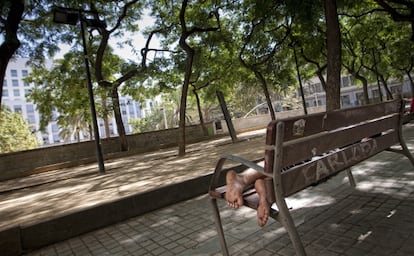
{"x":264,"y":208}
{"x":235,"y":185}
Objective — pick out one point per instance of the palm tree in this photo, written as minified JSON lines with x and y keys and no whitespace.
{"x":74,"y":125}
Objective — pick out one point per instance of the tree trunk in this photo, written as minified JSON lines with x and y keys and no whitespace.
{"x":90,"y":129}
{"x":77,"y":135}
{"x":118,"y":119}
{"x":184,"y":92}
{"x":266,"y":93}
{"x":319,"y":69}
{"x":321,"y":78}
{"x":105,"y":116}
{"x":200,"y":113}
{"x":385,"y":85}
{"x":11,"y":42}
{"x":227,"y":117}
{"x":364,"y":82}
{"x":333,"y":35}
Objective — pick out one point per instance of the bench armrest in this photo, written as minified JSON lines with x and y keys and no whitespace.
{"x":237,"y":159}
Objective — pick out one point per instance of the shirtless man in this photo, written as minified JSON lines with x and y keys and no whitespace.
{"x":236,"y":182}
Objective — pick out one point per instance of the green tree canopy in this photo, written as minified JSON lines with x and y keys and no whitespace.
{"x":15,"y":133}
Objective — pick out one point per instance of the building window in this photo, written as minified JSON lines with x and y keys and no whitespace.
{"x":131,"y":110}
{"x":360,"y":98}
{"x":16,"y":92}
{"x":5,"y":83}
{"x":55,"y":128}
{"x":345,"y":81}
{"x":395,"y":90}
{"x":17,"y":109}
{"x":56,"y":138}
{"x":13,"y":73}
{"x":316,"y":88}
{"x":25,"y":73}
{"x":31,"y":119}
{"x":15,"y":83}
{"x":30,"y":108}
{"x":26,"y":84}
{"x":26,"y":92}
{"x":375,"y":93}
{"x":5,"y":93}
{"x":345,"y":100}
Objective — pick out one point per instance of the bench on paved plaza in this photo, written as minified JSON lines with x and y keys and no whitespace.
{"x":306,"y":150}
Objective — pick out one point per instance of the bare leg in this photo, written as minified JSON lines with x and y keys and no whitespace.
{"x":236,"y":182}
{"x":264,"y":208}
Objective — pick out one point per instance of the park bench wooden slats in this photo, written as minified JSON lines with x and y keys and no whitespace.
{"x":319,"y":122}
{"x":305,"y":150}
{"x":320,"y":143}
{"x":301,"y":176}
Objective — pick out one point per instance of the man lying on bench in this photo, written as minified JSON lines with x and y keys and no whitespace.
{"x":237,"y":182}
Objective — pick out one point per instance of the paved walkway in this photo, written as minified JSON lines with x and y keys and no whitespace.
{"x":333,"y":219}
{"x":68,"y":190}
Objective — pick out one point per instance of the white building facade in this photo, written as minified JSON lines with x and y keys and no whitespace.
{"x":352,"y":94}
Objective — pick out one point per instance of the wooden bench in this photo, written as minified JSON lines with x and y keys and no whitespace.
{"x":306,"y":150}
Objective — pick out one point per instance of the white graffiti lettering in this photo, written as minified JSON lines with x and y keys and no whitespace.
{"x":339,"y":160}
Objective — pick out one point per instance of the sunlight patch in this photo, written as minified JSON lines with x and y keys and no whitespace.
{"x":391,"y":213}
{"x":315,"y":201}
{"x":129,"y":187}
{"x":364,"y":236}
{"x":365,"y":185}
{"x":335,"y":225}
{"x":355,"y":211}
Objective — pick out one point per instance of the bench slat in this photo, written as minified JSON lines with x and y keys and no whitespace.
{"x":296,"y":151}
{"x":320,"y":122}
{"x":356,"y":115}
{"x":302,"y":176}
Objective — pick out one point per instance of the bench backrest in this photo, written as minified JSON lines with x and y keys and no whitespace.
{"x":317,"y":146}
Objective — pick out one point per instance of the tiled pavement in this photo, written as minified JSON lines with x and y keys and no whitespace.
{"x":375,"y":218}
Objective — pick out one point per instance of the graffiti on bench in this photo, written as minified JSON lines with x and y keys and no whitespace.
{"x":340,"y":159}
{"x":323,"y":166}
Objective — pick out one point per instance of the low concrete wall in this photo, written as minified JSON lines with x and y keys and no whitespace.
{"x":261,"y":121}
{"x":24,"y":163}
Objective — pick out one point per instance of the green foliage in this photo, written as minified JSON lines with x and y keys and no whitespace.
{"x":15,"y":133}
{"x":260,"y":33}
{"x":166,"y":115}
{"x":152,"y":122}
{"x":63,"y":89}
{"x":374,"y":46}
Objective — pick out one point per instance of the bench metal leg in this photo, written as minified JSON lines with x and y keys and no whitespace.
{"x":404,"y":148}
{"x":219,"y":227}
{"x":350,"y":177}
{"x":406,"y":152}
{"x":284,"y":214}
{"x":286,"y":219}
